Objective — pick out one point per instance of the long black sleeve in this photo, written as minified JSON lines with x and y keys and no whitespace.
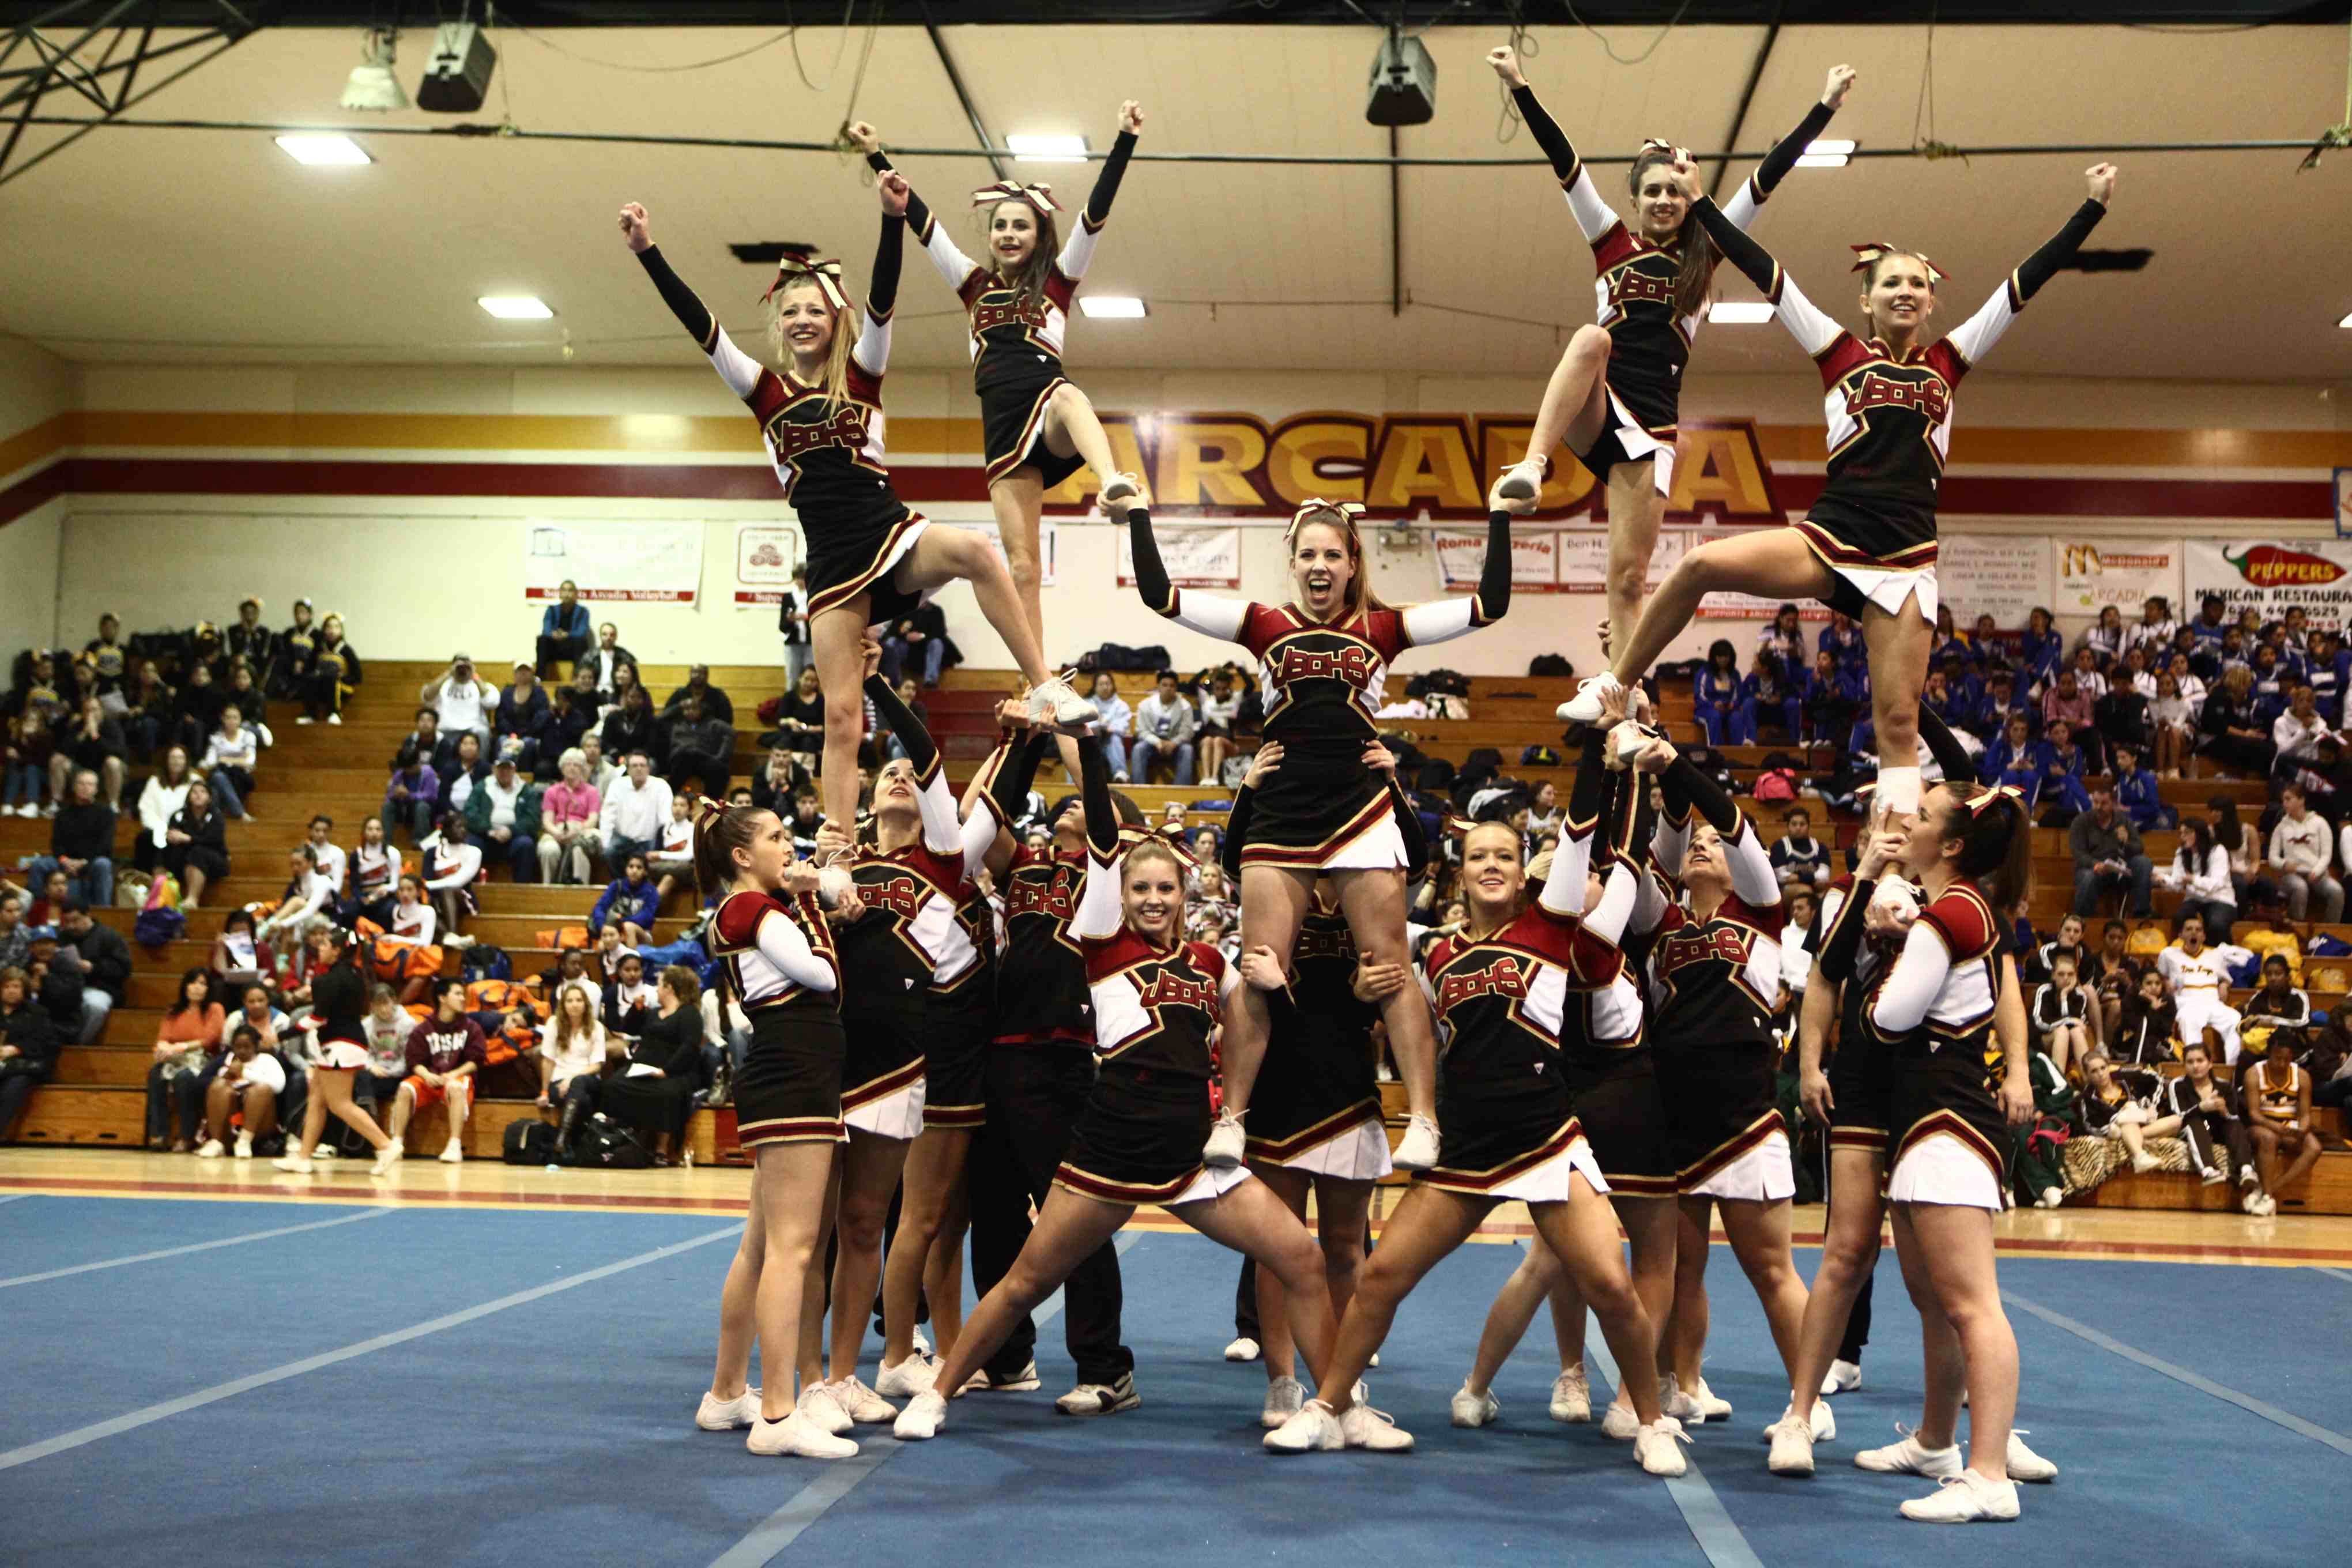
{"x":2043,"y":264}
{"x":1094,"y":789}
{"x":1495,"y":577}
{"x":1686,"y":788}
{"x":1845,"y":937}
{"x":1017,"y":774}
{"x":882,"y":290}
{"x":1789,"y":148}
{"x":920,"y":749}
{"x":1107,"y":183}
{"x":1151,"y":573}
{"x":918,"y":212}
{"x":1739,"y":247}
{"x":1588,"y":794}
{"x":692,"y":313}
{"x":1547,"y":134}
{"x":1949,"y":754}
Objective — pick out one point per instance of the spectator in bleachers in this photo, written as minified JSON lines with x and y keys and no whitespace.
{"x":2277,"y":1094}
{"x":2155,"y":628}
{"x":807,"y":817}
{"x":1772,"y":701}
{"x":190,"y":1032}
{"x":16,"y":934}
{"x":633,"y":726}
{"x":2302,"y":849}
{"x":672,"y":860}
{"x":231,"y":758}
{"x":1115,"y":723}
{"x":148,"y":704}
{"x":28,"y":748}
{"x":160,"y":800}
{"x":2039,"y":964}
{"x":2212,"y":622}
{"x":2229,"y":732}
{"x":1832,"y":697}
{"x":778,"y":780}
{"x":2201,"y":873}
{"x":2088,"y":680}
{"x":2016,"y":760}
{"x":601,"y":768}
{"x":2062,"y":1016}
{"x":240,"y":685}
{"x":29,"y":1043}
{"x":404,"y":952}
{"x":247,"y":638}
{"x":2135,"y":670}
{"x":572,"y":717}
{"x":1842,"y":639}
{"x":2197,"y":977}
{"x":245,"y":1088}
{"x":1716,"y":698}
{"x":2194,"y":688}
{"x":2296,"y":733}
{"x":58,"y":982}
{"x":2274,"y":682}
{"x":236,"y":954}
{"x":93,"y":743}
{"x":800,"y":716}
{"x":81,"y":843}
{"x":1221,"y":718}
{"x":452,"y":866}
{"x":2207,"y":1108}
{"x":520,"y":717}
{"x":1164,"y":723}
{"x":635,"y":809}
{"x":1800,"y":859}
{"x":563,"y":634}
{"x":413,"y":792}
{"x":334,"y":674}
{"x":792,"y":625}
{"x":469,"y":764}
{"x":654,"y":1090}
{"x":629,"y":902}
{"x":433,"y":748}
{"x":1988,"y":719}
{"x":2105,"y":845}
{"x":105,"y":657}
{"x":921,"y":637}
{"x":463,"y":701}
{"x":2116,"y":1104}
{"x":2064,"y":767}
{"x":2137,"y":792}
{"x":444,"y":1053}
{"x":2276,"y":1004}
{"x":1947,"y":643}
{"x":716,"y":704}
{"x":1784,"y":638}
{"x":627,"y":1000}
{"x":294,"y":644}
{"x":2251,"y":889}
{"x":2113,"y":974}
{"x":2327,"y":665}
{"x":45,"y":897}
{"x":572,"y":1051}
{"x":2174,"y":717}
{"x":568,"y":816}
{"x":308,"y":893}
{"x":2106,"y":637}
{"x":502,"y":816}
{"x":878,"y":733}
{"x":2065,"y":699}
{"x":333,"y":865}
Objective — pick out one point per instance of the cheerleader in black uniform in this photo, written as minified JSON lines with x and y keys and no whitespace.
{"x":1868,"y":546}
{"x":1517,"y":979}
{"x":1325,"y":658}
{"x":870,"y":560}
{"x":1616,"y":394}
{"x":332,"y":675}
{"x":1950,"y":1013}
{"x":1156,"y":998}
{"x":781,"y":965}
{"x":1037,"y":427}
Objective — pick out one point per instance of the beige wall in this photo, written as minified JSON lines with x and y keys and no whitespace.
{"x":34,"y":387}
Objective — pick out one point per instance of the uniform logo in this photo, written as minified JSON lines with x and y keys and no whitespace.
{"x":1172,"y":987}
{"x":1048,"y":895}
{"x":826,"y":425}
{"x":1630,"y":285}
{"x":1350,"y":662}
{"x":900,"y":892}
{"x":1334,"y":942}
{"x":1007,"y":308}
{"x":1929,"y":397}
{"x":1729,"y":943}
{"x":1500,"y":976}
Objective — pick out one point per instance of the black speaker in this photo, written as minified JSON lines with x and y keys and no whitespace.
{"x":457,"y":75}
{"x":1404,"y":84}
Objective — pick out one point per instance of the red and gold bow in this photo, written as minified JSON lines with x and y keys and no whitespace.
{"x":1660,"y":145}
{"x":1313,"y":507}
{"x":1038,"y":196}
{"x":709,"y":812}
{"x":1867,"y":255}
{"x":794,"y":269}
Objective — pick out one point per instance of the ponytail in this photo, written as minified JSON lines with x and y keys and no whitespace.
{"x":1996,"y":840}
{"x":718,"y":832}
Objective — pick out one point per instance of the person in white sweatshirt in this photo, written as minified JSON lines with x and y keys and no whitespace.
{"x":635,"y":810}
{"x":2302,"y":849}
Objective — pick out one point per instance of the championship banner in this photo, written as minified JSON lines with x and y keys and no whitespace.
{"x":2273,"y":576}
{"x":1196,"y":557}
{"x":1046,"y":542}
{"x":765,"y":554}
{"x":2093,"y":574}
{"x":639,"y":560}
{"x":2006,"y":577}
{"x":1584,"y":560}
{"x":1462,"y":559}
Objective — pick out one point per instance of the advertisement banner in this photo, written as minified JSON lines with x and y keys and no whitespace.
{"x":2273,"y":575}
{"x":765,"y":554}
{"x":2093,"y":574}
{"x":638,"y":560}
{"x":1584,"y":560}
{"x":1196,"y":557}
{"x":2006,"y":577}
{"x":1462,"y":557}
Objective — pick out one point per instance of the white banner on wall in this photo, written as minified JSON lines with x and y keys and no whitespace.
{"x":1047,"y":544}
{"x":2006,"y":577}
{"x":1584,"y":559}
{"x":1196,"y":557}
{"x":765,"y":554}
{"x":1461,"y":560}
{"x":638,"y":559}
{"x":2270,"y":575}
{"x":2093,"y":574}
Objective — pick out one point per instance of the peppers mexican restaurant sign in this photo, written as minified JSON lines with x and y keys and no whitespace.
{"x":1434,"y":465}
{"x":2274,"y":576}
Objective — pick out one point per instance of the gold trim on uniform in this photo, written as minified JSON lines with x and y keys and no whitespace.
{"x":1281,"y":1151}
{"x":1872,"y":1140}
{"x":1106,"y":1189}
{"x":883,"y":1086}
{"x":1311,"y":856}
{"x":1952,"y":1125}
{"x":1479,"y":1183}
{"x":1747,"y":1139}
{"x":789,"y":1129}
{"x":1031,"y":430}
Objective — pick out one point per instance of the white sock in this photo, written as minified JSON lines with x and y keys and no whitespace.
{"x":1898,"y":790}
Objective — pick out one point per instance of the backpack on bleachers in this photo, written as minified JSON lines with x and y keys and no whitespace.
{"x":1435,"y":777}
{"x":483,"y":961}
{"x":1539,"y":756}
{"x":606,"y":1145}
{"x":529,"y":1141}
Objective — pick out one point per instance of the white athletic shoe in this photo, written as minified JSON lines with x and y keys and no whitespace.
{"x":920,"y":1341}
{"x":1100,"y":1398}
{"x":210,"y":1150}
{"x":1659,"y":1448}
{"x":1619,"y":1422}
{"x":1054,"y":706}
{"x":1417,"y":1150}
{"x":334,"y":718}
{"x":817,"y":1407}
{"x":1964,"y":1499}
{"x":1022,"y":1382}
{"x":1222,"y":1152}
{"x":2145,"y":1162}
{"x":387,"y":1157}
{"x":327,"y":1152}
{"x":859,"y":1402}
{"x":2258,"y":1202}
{"x":1242,"y":1349}
{"x":2051,"y":1197}
{"x":2211,"y":1175}
{"x":1910,"y":1458}
{"x":924,"y":1415}
{"x":453,"y":1151}
{"x":1713,"y":1408}
{"x":797,"y":1435}
{"x":1571,"y":1396}
{"x":910,"y":1377}
{"x":1683,"y":1407}
{"x":1313,"y":1430}
{"x":1792,"y":1446}
{"x":1364,"y":1428}
{"x":1119,"y":487}
{"x":1824,"y":1422}
{"x":294,"y":1163}
{"x":1285,"y":1397}
{"x":1524,"y":479}
{"x":244,"y":1145}
{"x":2024,"y":1464}
{"x":716,"y":1414}
{"x":1475,"y":1409}
{"x":1585,"y":708}
{"x":1844,"y":1377}
{"x":302,"y":719}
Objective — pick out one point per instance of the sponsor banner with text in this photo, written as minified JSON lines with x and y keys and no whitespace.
{"x":2006,"y":577}
{"x":1196,"y":557}
{"x":1461,"y":558}
{"x":639,"y":560}
{"x":2273,"y":576}
{"x":2092,"y":574}
{"x":765,"y":554}
{"x":1584,"y":560}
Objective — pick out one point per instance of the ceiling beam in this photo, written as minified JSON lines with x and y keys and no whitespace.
{"x":1747,"y":96}
{"x":59,"y":50}
{"x":970,"y":110}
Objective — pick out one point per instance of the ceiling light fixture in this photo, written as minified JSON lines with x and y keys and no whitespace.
{"x":1112,"y":307}
{"x":372,"y":85}
{"x":516,"y":307}
{"x":2347,"y":322}
{"x":1044,"y":149}
{"x":322,"y":150}
{"x":1829,"y":152}
{"x":1739,"y":312}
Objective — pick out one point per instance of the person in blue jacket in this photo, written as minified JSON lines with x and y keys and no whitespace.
{"x":2062,"y":769}
{"x":2016,"y":759}
{"x":632,"y":902}
{"x":2137,"y":794}
{"x":1717,"y":697}
{"x":563,"y":631}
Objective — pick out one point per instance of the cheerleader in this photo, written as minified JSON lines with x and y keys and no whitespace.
{"x":1950,"y":1012}
{"x":1325,"y":658}
{"x":870,"y":560}
{"x":779,"y":961}
{"x":331,"y":675}
{"x":375,"y":870}
{"x":451,"y":865}
{"x":1507,"y":988}
{"x":405,"y":955}
{"x":1615,"y":396}
{"x":339,"y":1044}
{"x":1155,"y":999}
{"x":1868,"y":545}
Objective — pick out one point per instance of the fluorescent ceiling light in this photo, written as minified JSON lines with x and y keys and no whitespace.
{"x":323,"y":150}
{"x":1117,"y":306}
{"x":1047,"y":149}
{"x":1739,"y":312}
{"x":1829,"y":152}
{"x":2347,"y":322}
{"x":516,"y":307}
{"x":372,"y":85}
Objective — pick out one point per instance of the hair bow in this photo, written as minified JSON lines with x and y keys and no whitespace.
{"x":1660,"y":145}
{"x":1314,"y":506}
{"x":1987,"y":796}
{"x":827,"y":274}
{"x":709,"y":812}
{"x":1129,"y":836}
{"x":1868,"y":256}
{"x":1038,"y":196}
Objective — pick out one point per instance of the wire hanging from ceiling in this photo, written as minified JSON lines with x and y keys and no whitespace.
{"x":1610,"y":49}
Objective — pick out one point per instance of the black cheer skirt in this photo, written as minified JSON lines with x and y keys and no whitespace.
{"x":1012,"y":424}
{"x":1625,"y":1120}
{"x":1323,"y":810}
{"x":1138,"y":1140}
{"x":790,"y":1089}
{"x":853,"y":556}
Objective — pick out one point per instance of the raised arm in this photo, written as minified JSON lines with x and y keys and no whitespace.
{"x":1757,"y":187}
{"x":1078,"y":254}
{"x":1593,"y":214}
{"x":739,"y":370}
{"x":1813,"y":331}
{"x":1944,"y":746}
{"x":1018,"y":774}
{"x":1746,"y":859}
{"x":1973,"y":337}
{"x":873,"y":350}
{"x":1208,"y":614}
{"x":1098,"y":914}
{"x":943,"y":832}
{"x":953,"y":265}
{"x":1441,"y":620}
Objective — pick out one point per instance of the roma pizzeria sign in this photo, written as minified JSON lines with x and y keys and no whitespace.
{"x":1437,"y":464}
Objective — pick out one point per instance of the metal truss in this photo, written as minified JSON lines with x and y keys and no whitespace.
{"x":99,"y":51}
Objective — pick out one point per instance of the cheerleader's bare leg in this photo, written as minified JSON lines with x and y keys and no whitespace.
{"x":1373,"y":902}
{"x":1955,"y":1244}
{"x":943,"y":555}
{"x":1653,"y":1227}
{"x":1341,"y":1207}
{"x":1759,"y":1230}
{"x":1251,"y":1219}
{"x":943,"y":1275}
{"x":837,"y":644}
{"x":1071,"y":429}
{"x":1019,"y":499}
{"x":1849,"y":1252}
{"x":1429,"y":1224}
{"x":1582,"y":1234}
{"x":1772,"y":564}
{"x":1945,"y":1377}
{"x":1575,"y":403}
{"x":1683,"y":1343}
{"x":1068,"y":1230}
{"x":763,"y":1300}
{"x":870,"y":1169}
{"x":1273,"y":902}
{"x":1635,"y":509}
{"x":1537,"y":1277}
{"x":934,"y":1170}
{"x":1897,"y":646}
{"x":810,"y":1350}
